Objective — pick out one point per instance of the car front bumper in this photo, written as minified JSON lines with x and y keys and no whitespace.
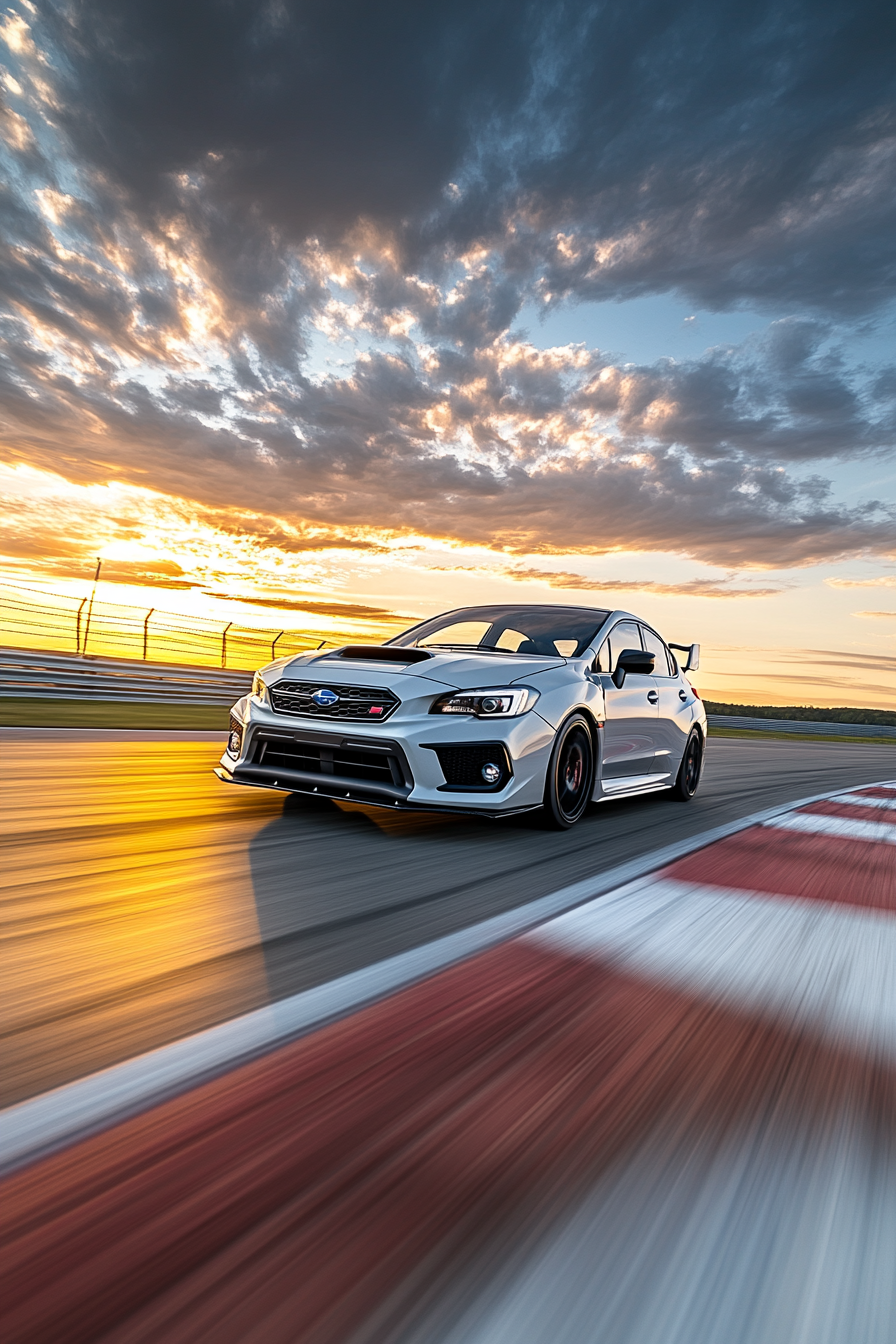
{"x":395,"y":766}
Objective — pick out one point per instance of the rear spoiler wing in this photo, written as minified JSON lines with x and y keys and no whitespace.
{"x":693,"y":653}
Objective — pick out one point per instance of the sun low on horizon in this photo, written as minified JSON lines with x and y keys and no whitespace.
{"x":312,"y":362}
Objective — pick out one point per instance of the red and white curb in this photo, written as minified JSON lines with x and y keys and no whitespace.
{"x":666,"y":1114}
{"x":32,"y":1129}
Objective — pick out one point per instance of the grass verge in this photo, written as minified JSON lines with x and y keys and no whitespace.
{"x":37,"y":713}
{"x":761,"y":736}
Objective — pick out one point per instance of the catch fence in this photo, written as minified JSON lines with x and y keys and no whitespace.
{"x":30,"y":619}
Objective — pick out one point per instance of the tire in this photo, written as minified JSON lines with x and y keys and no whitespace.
{"x":570,"y":778}
{"x":688,"y":779}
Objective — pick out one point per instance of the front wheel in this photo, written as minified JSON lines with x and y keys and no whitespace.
{"x":691,"y":767}
{"x":570,"y":778}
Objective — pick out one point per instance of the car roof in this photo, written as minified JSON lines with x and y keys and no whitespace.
{"x":610,"y":617}
{"x":523,"y":606}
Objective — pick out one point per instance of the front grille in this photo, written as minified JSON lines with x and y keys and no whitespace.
{"x":344,"y":762}
{"x":356,"y":704}
{"x":462,"y":764}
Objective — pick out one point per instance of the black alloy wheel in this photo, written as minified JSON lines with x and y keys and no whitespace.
{"x":689,"y":771}
{"x":570,"y":778}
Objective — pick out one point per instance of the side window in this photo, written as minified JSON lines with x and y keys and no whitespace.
{"x":602,"y":661}
{"x":625,"y":635}
{"x":653,"y":644}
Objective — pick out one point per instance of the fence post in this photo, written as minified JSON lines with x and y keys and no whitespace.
{"x":146,"y":631}
{"x":96,"y":578}
{"x":78,"y":627}
{"x":224,"y":644}
{"x":274,"y":644}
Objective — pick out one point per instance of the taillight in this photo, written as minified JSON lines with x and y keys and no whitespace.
{"x":695,"y":692}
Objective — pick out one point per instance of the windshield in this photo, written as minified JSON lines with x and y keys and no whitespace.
{"x":539,"y":631}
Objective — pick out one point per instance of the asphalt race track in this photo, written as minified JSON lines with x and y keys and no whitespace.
{"x":143,"y":900}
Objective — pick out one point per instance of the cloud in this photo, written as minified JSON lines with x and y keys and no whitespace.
{"x":507,"y":446}
{"x":883,"y":615}
{"x":197,"y":195}
{"x":723,"y":151}
{"x":880,"y":581}
{"x":879,"y":693}
{"x":840,"y":658}
{"x":152,"y":573}
{"x":346,"y":610}
{"x":567,"y":579}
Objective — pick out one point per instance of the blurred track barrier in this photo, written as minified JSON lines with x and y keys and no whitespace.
{"x":43,"y":676}
{"x":811,"y":727}
{"x":662,"y":1117}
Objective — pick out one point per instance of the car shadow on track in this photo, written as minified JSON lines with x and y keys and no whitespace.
{"x":338,"y":886}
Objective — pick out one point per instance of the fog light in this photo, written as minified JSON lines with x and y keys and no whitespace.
{"x":491,"y":773}
{"x":234,"y":742}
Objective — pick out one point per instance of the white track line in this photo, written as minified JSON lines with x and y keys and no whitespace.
{"x":814,"y":823}
{"x":860,"y":800}
{"x":38,"y":1126}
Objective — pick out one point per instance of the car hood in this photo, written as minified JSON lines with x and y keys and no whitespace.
{"x":456,"y":670}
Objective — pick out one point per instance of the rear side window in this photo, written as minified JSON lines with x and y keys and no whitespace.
{"x":625,"y":635}
{"x":663,"y":666}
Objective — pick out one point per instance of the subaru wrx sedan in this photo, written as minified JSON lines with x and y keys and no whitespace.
{"x":494,"y":710}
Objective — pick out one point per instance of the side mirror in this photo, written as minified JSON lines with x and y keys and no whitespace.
{"x":693,"y":653}
{"x":635,"y":661}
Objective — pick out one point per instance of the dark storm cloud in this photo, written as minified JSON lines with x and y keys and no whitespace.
{"x":313,"y":113}
{"x":735,"y":151}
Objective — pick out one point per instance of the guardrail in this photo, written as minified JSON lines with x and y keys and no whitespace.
{"x":37,"y":675}
{"x":815,"y":727}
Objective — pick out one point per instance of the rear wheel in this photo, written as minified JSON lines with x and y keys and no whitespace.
{"x":689,"y":771}
{"x":570,"y":778}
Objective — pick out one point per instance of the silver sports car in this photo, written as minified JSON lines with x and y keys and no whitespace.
{"x":488,"y":709}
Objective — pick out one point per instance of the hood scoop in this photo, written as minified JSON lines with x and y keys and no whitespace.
{"x":380,"y":653}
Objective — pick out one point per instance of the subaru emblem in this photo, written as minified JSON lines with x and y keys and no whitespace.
{"x":324,"y":698}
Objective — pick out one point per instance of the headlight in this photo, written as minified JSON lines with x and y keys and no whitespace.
{"x":503,"y":703}
{"x":258,"y":687}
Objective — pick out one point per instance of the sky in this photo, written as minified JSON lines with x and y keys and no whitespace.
{"x":344,"y":314}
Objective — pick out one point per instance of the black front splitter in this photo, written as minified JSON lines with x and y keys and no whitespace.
{"x":369,"y":799}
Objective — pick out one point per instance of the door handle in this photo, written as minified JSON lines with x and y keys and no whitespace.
{"x":682,"y":695}
{"x":653,"y":697}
